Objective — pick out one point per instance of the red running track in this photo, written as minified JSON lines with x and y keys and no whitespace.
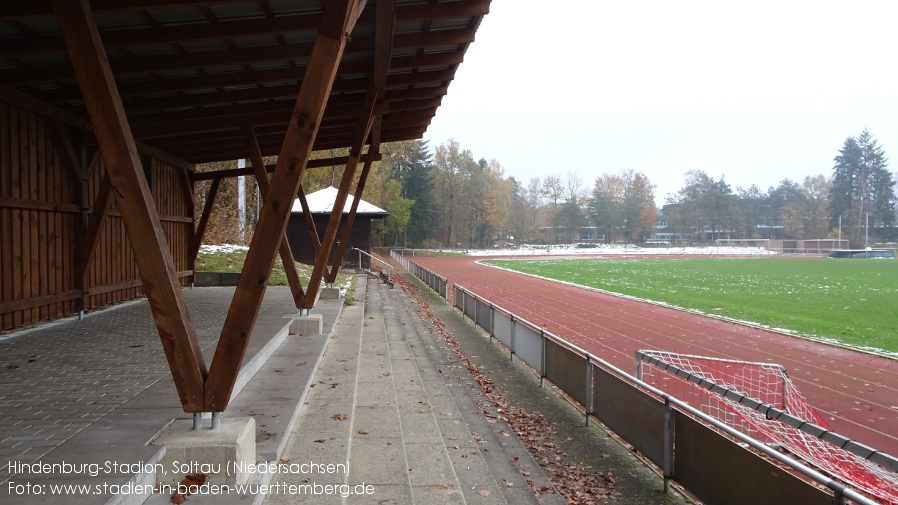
{"x":856,"y":393}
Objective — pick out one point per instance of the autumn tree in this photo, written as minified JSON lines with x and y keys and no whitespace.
{"x":524,"y":212}
{"x":451,"y":166}
{"x":623,"y":206}
{"x":391,"y":230}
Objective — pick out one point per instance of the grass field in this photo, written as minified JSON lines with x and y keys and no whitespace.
{"x":850,"y":301}
{"x":230,"y":259}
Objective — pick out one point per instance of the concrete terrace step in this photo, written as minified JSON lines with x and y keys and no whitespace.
{"x":392,"y":402}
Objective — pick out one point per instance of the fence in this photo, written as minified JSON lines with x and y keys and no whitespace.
{"x":668,"y":432}
{"x":434,"y":281}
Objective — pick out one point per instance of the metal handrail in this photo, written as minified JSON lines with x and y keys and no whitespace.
{"x":390,"y":267}
{"x":838,"y":488}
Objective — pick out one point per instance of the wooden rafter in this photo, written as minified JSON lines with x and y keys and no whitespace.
{"x":337,"y":23}
{"x":139,"y":215}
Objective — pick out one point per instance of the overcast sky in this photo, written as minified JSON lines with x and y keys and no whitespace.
{"x":754,"y":92}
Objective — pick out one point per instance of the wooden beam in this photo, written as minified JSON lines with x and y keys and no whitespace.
{"x":298,"y":142}
{"x":220,"y":174}
{"x":284,"y":251}
{"x":333,"y":224}
{"x":132,"y":193}
{"x":204,"y":219}
{"x":383,"y":47}
{"x":29,"y":102}
{"x":331,"y":277}
{"x":309,"y":219}
{"x":92,"y":234}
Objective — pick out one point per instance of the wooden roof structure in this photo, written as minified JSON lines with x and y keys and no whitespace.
{"x":192,"y":73}
{"x":210,"y":80}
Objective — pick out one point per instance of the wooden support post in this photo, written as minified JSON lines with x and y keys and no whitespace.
{"x":188,"y":191}
{"x":255,"y":155}
{"x":338,"y":19}
{"x":333,"y":224}
{"x":78,"y":177}
{"x":135,"y":202}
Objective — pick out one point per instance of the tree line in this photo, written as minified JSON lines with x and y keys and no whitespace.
{"x":447,"y":198}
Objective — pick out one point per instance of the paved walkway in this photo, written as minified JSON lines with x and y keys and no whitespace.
{"x":387,"y":400}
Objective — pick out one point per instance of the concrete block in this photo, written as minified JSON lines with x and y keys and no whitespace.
{"x":222,"y":454}
{"x":330,"y":293}
{"x":313,"y":324}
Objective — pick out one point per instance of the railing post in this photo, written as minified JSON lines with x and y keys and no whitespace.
{"x":588,"y":406}
{"x":514,"y":329}
{"x":542,"y":357}
{"x":492,"y":317}
{"x":668,"y":456}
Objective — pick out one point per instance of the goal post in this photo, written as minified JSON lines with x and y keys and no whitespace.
{"x":761,"y":401}
{"x":742,"y":246}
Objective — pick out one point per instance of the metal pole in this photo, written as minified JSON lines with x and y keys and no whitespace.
{"x":668,"y":444}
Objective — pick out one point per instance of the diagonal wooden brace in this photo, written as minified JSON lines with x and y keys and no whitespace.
{"x":337,"y":21}
{"x":255,"y":155}
{"x":333,"y":224}
{"x":135,"y":202}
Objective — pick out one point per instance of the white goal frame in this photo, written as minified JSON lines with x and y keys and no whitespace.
{"x":718,"y":241}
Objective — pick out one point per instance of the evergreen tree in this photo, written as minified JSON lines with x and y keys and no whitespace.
{"x":410,"y":163}
{"x":863,"y":188}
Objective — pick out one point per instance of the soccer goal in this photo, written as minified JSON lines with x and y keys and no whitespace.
{"x":742,"y":246}
{"x":761,"y":401}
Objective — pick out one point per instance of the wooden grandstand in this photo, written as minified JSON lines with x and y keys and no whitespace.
{"x":107,"y":105}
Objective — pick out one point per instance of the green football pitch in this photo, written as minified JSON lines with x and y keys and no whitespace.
{"x":851,"y":301}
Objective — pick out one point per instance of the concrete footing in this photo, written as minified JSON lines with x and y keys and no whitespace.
{"x":312,"y":324}
{"x":222,"y":454}
{"x":330,"y":293}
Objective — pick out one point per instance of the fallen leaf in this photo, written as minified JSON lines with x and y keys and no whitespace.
{"x":363,"y":432}
{"x":178,"y":498}
{"x":301,"y":363}
{"x":339,"y":417}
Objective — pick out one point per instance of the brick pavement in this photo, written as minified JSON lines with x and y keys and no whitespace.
{"x":57,"y":379}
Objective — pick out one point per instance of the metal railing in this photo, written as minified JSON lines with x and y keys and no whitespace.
{"x":389,"y":267}
{"x":667,"y":431}
{"x":435,"y":282}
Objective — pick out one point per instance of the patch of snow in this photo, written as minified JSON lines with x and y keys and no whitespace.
{"x":224,"y":248}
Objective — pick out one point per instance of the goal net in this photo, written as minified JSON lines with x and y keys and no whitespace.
{"x":768,"y":385}
{"x":742,"y":247}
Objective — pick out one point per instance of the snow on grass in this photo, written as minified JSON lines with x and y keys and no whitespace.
{"x":613,"y":249}
{"x":223,"y":249}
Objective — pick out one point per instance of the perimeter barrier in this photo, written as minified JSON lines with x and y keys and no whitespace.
{"x":435,"y":282}
{"x":667,"y":431}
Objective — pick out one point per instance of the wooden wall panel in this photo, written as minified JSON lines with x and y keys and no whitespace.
{"x":40,"y":226}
